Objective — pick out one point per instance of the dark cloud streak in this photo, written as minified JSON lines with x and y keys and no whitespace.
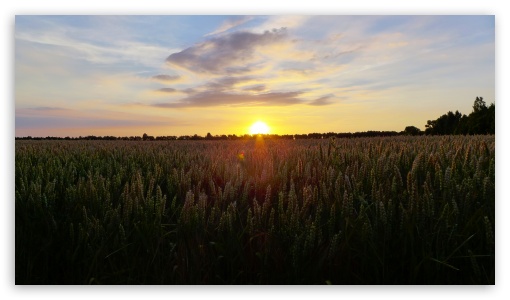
{"x":216,"y":98}
{"x":166,"y":78}
{"x":322,"y":101}
{"x":226,"y":82}
{"x":256,"y":88}
{"x":166,"y":90}
{"x":47,"y":108}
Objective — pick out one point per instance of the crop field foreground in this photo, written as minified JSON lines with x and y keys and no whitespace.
{"x":386,"y":210}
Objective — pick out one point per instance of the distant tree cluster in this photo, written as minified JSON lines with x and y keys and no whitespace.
{"x":412,"y":130}
{"x":482,"y":120}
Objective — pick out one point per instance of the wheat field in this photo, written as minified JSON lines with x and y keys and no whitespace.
{"x":380,"y":210}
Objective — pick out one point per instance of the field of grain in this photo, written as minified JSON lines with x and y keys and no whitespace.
{"x":389,"y":210}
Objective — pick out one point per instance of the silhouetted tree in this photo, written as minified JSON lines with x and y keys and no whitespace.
{"x":479,"y":105}
{"x":480,"y":121}
{"x":412,"y":130}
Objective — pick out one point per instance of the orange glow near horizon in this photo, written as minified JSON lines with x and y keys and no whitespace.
{"x":259,"y":127}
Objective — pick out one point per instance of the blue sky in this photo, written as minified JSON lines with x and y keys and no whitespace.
{"x":177,"y":75}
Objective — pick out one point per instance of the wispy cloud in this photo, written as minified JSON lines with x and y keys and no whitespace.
{"x":230,"y":24}
{"x":282,"y":21}
{"x":69,"y":44}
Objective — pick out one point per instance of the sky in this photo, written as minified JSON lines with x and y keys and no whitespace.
{"x":125,"y":75}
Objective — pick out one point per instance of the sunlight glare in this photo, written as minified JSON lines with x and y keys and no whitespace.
{"x":259,"y":127}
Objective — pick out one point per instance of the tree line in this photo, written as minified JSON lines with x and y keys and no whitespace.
{"x":482,"y":120}
{"x":209,"y":136}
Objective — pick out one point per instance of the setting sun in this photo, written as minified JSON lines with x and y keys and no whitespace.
{"x":259,"y":127}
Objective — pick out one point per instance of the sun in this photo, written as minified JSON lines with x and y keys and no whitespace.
{"x":259,"y":127}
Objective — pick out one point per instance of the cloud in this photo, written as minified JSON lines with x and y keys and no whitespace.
{"x":231,"y":53}
{"x":47,"y":108}
{"x":166,"y":90}
{"x":218,"y":98}
{"x":55,"y":117}
{"x":70,"y":43}
{"x":346,"y":56}
{"x":223,"y":84}
{"x":23,"y":122}
{"x":52,"y":111}
{"x":230,"y":23}
{"x":256,"y":88}
{"x":292,"y":22}
{"x":322,"y":101}
{"x":166,"y":78}
{"x":226,"y":82}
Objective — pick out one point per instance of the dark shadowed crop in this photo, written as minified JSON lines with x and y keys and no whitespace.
{"x":390,"y":210}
